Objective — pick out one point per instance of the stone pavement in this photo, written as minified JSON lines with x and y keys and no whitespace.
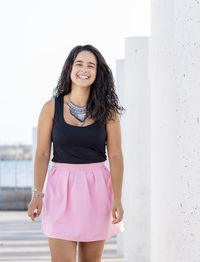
{"x":21,"y":240}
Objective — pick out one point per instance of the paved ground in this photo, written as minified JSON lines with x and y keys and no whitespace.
{"x":21,"y":240}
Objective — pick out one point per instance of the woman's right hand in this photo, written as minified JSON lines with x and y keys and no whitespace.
{"x":35,"y":203}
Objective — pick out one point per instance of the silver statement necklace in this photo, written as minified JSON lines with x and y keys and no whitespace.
{"x":79,"y":112}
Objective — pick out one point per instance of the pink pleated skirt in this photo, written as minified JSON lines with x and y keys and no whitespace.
{"x":77,"y":203}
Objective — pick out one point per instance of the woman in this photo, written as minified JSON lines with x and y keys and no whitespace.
{"x":82,"y":199}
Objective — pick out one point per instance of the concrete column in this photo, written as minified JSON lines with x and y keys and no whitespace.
{"x":136,"y":147}
{"x":175,"y":140}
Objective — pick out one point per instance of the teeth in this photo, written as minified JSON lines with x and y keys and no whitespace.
{"x":83,"y":77}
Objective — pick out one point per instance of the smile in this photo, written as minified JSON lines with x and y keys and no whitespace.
{"x":83,"y":77}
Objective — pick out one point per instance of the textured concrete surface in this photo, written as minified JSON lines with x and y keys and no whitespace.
{"x":21,"y":240}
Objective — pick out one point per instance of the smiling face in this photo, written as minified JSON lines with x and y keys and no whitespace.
{"x":84,"y":69}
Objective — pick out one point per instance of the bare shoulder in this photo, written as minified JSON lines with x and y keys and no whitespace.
{"x":48,"y":108}
{"x":115,"y":118}
{"x":44,"y":128}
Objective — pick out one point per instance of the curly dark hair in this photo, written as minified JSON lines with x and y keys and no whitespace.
{"x":103,"y":100}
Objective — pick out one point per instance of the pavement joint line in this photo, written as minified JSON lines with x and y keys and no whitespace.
{"x":22,"y":240}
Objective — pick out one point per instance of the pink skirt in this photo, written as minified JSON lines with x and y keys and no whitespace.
{"x":77,"y":203}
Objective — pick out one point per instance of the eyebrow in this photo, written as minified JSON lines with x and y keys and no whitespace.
{"x":82,"y":61}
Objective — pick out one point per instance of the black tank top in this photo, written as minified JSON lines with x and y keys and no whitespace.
{"x":75,"y":144}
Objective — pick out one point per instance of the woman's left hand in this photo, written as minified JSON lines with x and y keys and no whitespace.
{"x":117,"y":207}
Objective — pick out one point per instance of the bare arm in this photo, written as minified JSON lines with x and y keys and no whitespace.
{"x":42,"y":155}
{"x":115,"y":155}
{"x":43,"y":150}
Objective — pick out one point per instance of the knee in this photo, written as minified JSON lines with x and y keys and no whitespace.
{"x":66,"y":259}
{"x":90,"y":260}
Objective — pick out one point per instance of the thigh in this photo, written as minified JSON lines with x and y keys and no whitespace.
{"x":62,"y":250}
{"x":90,"y":251}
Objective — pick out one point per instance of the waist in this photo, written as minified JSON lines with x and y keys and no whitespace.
{"x":79,"y":166}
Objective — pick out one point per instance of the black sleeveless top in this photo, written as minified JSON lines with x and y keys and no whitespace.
{"x":75,"y":144}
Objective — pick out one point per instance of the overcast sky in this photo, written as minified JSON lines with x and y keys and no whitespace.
{"x":36,"y":38}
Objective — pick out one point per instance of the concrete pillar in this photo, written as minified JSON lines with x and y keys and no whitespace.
{"x":175,"y":139}
{"x":136,"y":148}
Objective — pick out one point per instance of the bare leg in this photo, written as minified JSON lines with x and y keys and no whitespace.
{"x":62,"y":250}
{"x":90,"y":251}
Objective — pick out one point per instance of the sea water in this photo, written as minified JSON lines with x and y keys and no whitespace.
{"x":17,"y":173}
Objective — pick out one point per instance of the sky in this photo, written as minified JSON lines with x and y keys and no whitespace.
{"x":36,"y":38}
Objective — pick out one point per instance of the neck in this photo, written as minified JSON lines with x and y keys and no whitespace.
{"x":79,"y":96}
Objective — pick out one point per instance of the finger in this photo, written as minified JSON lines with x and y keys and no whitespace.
{"x":31,"y":214}
{"x":117,"y":220}
{"x":119,"y":217}
{"x":114,"y":219}
{"x":114,"y":213}
{"x":39,"y":212}
{"x":120,"y":214}
{"x":32,"y":217}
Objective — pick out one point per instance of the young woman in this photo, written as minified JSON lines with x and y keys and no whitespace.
{"x":82,"y":199}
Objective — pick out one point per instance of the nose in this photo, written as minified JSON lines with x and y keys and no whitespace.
{"x":84,"y":68}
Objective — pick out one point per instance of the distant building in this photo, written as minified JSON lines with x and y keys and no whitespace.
{"x":15,"y":152}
